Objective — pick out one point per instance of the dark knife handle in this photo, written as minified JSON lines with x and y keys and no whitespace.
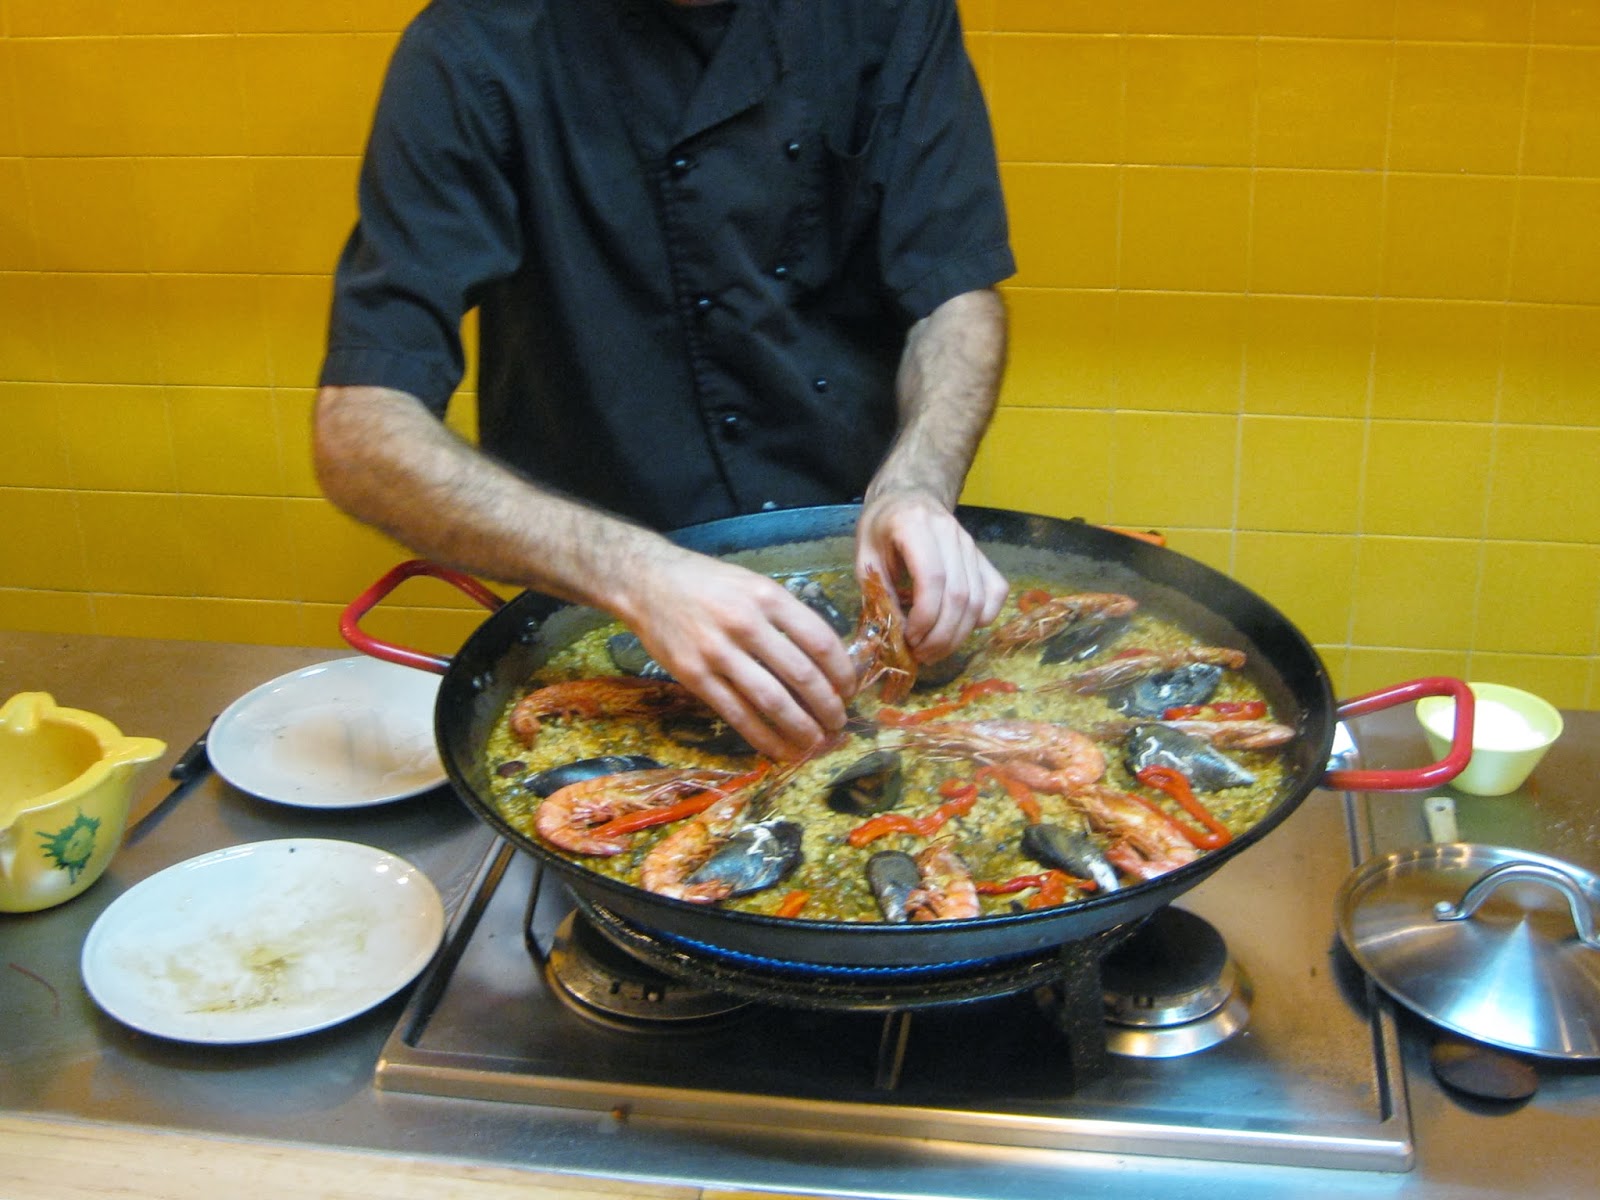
{"x":193,"y":761}
{"x":191,"y":765}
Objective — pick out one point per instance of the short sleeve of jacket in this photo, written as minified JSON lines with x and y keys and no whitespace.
{"x":943,"y":227}
{"x":438,"y":221}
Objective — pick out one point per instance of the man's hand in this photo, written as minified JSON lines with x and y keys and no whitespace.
{"x":954,"y":588}
{"x":946,"y":388}
{"x":764,"y":661}
{"x":767,"y":664}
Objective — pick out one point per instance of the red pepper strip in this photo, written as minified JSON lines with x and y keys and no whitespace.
{"x":645,"y":818}
{"x":1175,"y":785}
{"x":886,"y":823}
{"x":1052,"y":887}
{"x":1184,"y":831}
{"x":1032,"y":599}
{"x":1052,"y":891}
{"x":1018,"y":791}
{"x":1222,"y":710}
{"x":986,"y":687}
{"x":792,"y":904}
{"x":1017,"y":883}
{"x":899,"y":719}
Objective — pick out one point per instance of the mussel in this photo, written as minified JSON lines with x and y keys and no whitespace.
{"x":893,"y":875}
{"x":1192,"y":683}
{"x":810,"y":593}
{"x":547,"y":783}
{"x":630,"y":657}
{"x":708,"y":734}
{"x":935,"y":675}
{"x":1072,"y":851}
{"x":755,"y":857}
{"x":1207,"y":768}
{"x":1082,"y":640}
{"x":871,"y":784}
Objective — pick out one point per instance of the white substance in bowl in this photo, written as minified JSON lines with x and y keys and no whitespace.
{"x":1497,"y":726}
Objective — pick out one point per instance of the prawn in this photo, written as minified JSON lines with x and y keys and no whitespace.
{"x":1145,"y":842}
{"x":1134,"y":665}
{"x":879,"y":649}
{"x":1046,"y":757}
{"x":1041,"y":616}
{"x":668,"y":865}
{"x":1224,"y":735}
{"x":604,"y":695}
{"x":574,"y":818}
{"x":946,"y":892}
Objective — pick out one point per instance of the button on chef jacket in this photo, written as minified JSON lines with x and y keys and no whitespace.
{"x":695,"y":248}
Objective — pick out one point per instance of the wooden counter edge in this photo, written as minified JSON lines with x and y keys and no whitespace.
{"x":56,"y":1159}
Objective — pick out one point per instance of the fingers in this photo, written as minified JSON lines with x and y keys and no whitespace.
{"x":766,"y":663}
{"x":955,"y":588}
{"x":775,"y":726}
{"x":774,"y":692}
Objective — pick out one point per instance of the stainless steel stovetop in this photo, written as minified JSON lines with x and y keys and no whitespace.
{"x":1313,"y":1079}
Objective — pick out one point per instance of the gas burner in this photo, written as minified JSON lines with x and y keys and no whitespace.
{"x":1065,"y":978}
{"x":861,"y":989}
{"x":599,"y":981}
{"x":1172,"y":989}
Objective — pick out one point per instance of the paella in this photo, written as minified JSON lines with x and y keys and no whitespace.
{"x":1081,"y":744}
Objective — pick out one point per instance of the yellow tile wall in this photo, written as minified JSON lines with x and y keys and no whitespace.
{"x":1313,"y":286}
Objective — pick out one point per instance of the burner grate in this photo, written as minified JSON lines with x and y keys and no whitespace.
{"x":801,"y":986}
{"x":1070,"y":974}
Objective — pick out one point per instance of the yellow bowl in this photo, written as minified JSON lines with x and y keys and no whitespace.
{"x":66,"y":783}
{"x":1511,"y":730}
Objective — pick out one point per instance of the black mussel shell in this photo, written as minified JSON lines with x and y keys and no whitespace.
{"x":547,"y":783}
{"x":1071,"y":851}
{"x":755,"y":857}
{"x":1206,"y":768}
{"x":1193,"y":683}
{"x":893,"y":876}
{"x":871,"y":784}
{"x":1082,"y":641}
{"x":810,"y":593}
{"x":709,"y":735}
{"x":630,"y":657}
{"x":933,"y":676}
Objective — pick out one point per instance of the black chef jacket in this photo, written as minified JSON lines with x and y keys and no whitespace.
{"x":693,"y":291}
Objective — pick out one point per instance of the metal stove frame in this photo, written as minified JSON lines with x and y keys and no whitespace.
{"x":1328,"y":1092}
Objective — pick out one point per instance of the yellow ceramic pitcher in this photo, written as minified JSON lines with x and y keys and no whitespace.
{"x":66,"y":782}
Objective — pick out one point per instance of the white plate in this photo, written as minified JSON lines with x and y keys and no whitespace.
{"x":262,"y":941}
{"x":340,"y":734}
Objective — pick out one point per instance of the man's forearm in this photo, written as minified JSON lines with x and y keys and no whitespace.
{"x":948,"y":382}
{"x":384,"y":459}
{"x":765,"y":662}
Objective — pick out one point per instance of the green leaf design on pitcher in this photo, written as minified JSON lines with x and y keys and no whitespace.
{"x":71,"y":846}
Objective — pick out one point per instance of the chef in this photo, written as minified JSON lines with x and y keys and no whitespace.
{"x":727,"y":256}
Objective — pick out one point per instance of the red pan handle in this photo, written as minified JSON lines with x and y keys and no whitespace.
{"x":1417,"y":778}
{"x":350,"y":620}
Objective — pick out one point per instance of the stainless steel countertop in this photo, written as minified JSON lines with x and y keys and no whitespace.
{"x":60,"y":1056}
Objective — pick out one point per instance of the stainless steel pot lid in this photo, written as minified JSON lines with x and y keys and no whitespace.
{"x":1495,"y":944}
